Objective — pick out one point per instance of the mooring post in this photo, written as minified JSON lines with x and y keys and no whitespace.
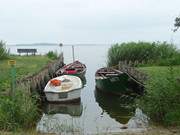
{"x":60,"y":45}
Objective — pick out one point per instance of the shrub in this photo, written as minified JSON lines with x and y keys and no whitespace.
{"x":161,"y":102}
{"x":19,"y":111}
{"x":52,"y":55}
{"x":3,"y":52}
{"x":144,"y":52}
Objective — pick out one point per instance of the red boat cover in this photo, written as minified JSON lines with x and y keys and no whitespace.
{"x":71,"y":71}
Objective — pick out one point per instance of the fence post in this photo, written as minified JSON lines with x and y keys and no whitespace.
{"x":12,"y":63}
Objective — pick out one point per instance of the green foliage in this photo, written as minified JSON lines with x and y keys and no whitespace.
{"x":144,"y":52}
{"x":52,"y":55}
{"x":19,"y":111}
{"x":161,"y":101}
{"x":3,"y":52}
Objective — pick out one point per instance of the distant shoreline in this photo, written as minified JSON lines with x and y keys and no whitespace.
{"x":53,"y":44}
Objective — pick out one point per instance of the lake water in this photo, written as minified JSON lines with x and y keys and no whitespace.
{"x":96,"y":113}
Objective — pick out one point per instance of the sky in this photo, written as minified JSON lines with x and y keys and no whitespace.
{"x":88,"y":21}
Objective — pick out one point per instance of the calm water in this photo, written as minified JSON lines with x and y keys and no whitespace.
{"x":97,"y":112}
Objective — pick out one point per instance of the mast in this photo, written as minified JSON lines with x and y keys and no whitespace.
{"x":73,"y":53}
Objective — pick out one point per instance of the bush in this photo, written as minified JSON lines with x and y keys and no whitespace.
{"x":19,"y":111}
{"x":3,"y":52}
{"x":52,"y":55}
{"x":161,"y":102}
{"x":155,"y":53}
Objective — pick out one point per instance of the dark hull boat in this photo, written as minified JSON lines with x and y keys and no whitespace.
{"x":114,"y":81}
{"x":76,"y":68}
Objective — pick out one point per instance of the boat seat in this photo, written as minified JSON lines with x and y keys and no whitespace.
{"x":70,"y":68}
{"x":66,"y":80}
{"x":111,"y":74}
{"x":79,"y":67}
{"x":106,"y":72}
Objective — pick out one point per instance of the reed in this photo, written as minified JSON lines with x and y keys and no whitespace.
{"x":155,"y":53}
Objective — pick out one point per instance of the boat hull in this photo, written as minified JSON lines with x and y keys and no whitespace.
{"x":116,"y":85}
{"x":76,"y":69}
{"x":69,"y":96}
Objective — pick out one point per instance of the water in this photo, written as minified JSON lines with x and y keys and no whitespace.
{"x":97,"y":112}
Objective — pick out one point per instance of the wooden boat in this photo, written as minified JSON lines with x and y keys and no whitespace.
{"x":114,"y":81}
{"x":65,"y":88}
{"x":76,"y":68}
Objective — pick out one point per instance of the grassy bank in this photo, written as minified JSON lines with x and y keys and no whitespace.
{"x":156,"y":71}
{"x":25,"y":66}
{"x":20,"y":110}
{"x":161,"y":100}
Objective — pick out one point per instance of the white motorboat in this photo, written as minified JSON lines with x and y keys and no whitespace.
{"x":63,"y":88}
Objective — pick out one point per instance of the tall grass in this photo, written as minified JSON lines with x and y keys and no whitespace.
{"x":156,"y":53}
{"x":19,"y":111}
{"x":3,"y":52}
{"x":161,"y":101}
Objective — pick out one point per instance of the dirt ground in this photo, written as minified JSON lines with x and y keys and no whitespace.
{"x":154,"y":131}
{"x":149,"y":131}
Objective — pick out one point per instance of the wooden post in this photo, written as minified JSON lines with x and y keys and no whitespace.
{"x":73,"y":53}
{"x":12,"y":63}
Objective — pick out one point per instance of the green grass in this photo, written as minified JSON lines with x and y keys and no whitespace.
{"x":19,"y":111}
{"x":156,"y":71}
{"x":25,"y":66}
{"x":161,"y":99}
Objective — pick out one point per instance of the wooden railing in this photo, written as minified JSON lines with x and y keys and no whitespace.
{"x":132,"y":71}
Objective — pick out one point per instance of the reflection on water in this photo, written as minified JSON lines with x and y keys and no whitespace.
{"x":84,"y":81}
{"x":74,"y":109}
{"x":117,"y":107}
